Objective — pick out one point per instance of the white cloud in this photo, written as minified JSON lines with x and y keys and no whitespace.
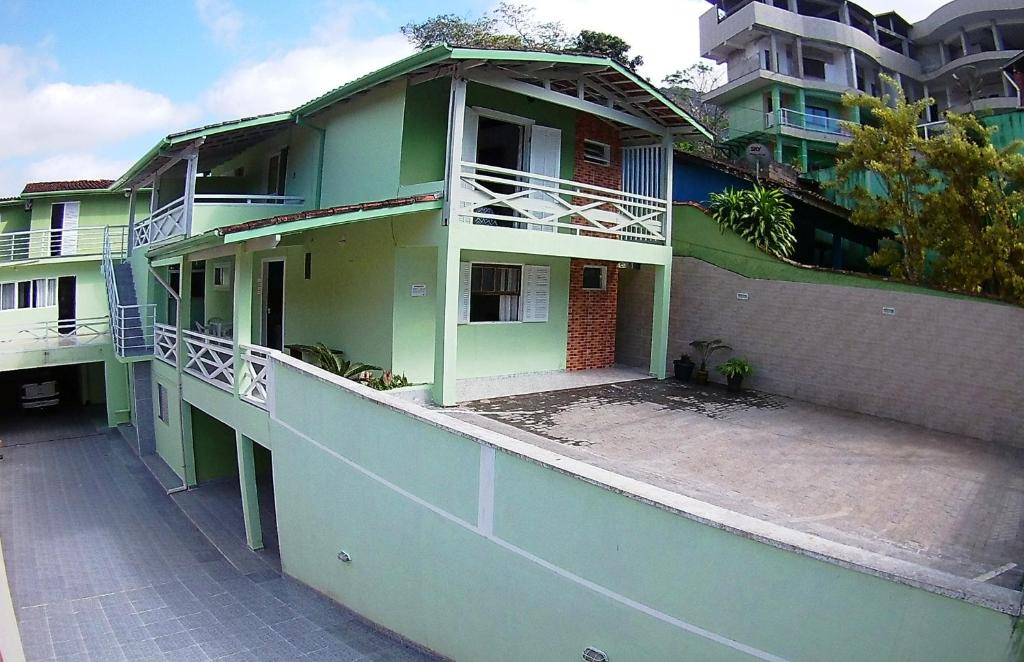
{"x":38,"y":117}
{"x":335,"y":54}
{"x":222,"y":19}
{"x":75,"y":165}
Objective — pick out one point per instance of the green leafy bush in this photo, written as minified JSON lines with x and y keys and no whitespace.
{"x":760,"y":215}
{"x":735,"y":368}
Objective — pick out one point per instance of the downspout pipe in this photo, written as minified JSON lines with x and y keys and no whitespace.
{"x":299,"y":121}
{"x":177,"y":327}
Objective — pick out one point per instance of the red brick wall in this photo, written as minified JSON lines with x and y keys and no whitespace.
{"x":592,"y":315}
{"x":593,"y":128}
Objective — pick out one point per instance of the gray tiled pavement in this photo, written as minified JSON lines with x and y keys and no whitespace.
{"x":104,"y":566}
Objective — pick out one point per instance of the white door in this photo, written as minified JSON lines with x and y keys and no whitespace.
{"x":69,"y":229}
{"x":545,"y":159}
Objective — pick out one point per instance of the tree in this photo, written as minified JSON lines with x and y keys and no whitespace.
{"x":889,"y":149}
{"x":974,"y":214}
{"x":513,"y":26}
{"x":689,"y":87}
{"x":602,"y":43}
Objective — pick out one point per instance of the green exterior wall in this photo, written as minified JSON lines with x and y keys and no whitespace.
{"x":746,"y":114}
{"x":583,"y":564}
{"x":505,"y":348}
{"x":425,"y":132}
{"x":363,"y":152}
{"x":168,"y":433}
{"x":95,"y":209}
{"x":414,"y":324}
{"x":14,"y":217}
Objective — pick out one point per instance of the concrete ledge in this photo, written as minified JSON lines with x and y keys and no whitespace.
{"x":10,"y":639}
{"x":991,"y":597}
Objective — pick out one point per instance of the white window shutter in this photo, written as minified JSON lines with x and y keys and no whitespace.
{"x":536,"y":292}
{"x":469,"y":132}
{"x":465,"y":275}
{"x":545,"y":159}
{"x":69,"y":234}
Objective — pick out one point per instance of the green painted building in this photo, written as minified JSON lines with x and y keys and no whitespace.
{"x":54,"y":323}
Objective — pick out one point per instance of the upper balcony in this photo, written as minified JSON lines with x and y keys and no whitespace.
{"x":179,"y":218}
{"x":47,"y":245}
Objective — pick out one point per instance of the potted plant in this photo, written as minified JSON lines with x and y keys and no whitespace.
{"x":683,"y":368}
{"x":734,"y":370}
{"x":706,"y":348}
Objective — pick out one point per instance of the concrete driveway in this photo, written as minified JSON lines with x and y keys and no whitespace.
{"x":947,"y":502}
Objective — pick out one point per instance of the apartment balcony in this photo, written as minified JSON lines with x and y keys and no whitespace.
{"x":211,"y":359}
{"x":209,"y":211}
{"x":793,"y":122}
{"x":61,"y":244}
{"x":502,"y":197}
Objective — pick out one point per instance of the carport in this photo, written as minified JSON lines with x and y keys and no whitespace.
{"x":80,"y":409}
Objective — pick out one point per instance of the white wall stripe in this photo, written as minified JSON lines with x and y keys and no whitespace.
{"x":562,"y":572}
{"x":485,"y":503}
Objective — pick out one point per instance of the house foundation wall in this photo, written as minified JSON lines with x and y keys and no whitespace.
{"x":949,"y":364}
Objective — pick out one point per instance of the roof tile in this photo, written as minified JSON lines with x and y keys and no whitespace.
{"x":68,"y":185}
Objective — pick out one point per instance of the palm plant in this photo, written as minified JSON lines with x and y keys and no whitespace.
{"x":760,"y":215}
{"x":705,"y":348}
{"x":334,"y":361}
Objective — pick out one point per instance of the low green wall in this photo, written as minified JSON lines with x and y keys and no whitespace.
{"x":495,"y":553}
{"x":695,"y":234}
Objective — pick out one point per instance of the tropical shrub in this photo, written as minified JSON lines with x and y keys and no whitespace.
{"x":760,"y":215}
{"x":387,"y":381}
{"x":705,"y":348}
{"x":334,"y":361}
{"x":737,"y":367}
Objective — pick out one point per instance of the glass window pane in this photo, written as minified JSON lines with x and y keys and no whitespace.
{"x":51,"y":292}
{"x":7,"y":299}
{"x":25,"y":294}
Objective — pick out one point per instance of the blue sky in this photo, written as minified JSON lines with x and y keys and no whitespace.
{"x":88,"y":87}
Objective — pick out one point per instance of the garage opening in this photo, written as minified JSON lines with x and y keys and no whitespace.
{"x":216,"y":503}
{"x":52,"y":403}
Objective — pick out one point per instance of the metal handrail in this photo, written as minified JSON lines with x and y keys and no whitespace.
{"x":57,"y":243}
{"x":247,"y":199}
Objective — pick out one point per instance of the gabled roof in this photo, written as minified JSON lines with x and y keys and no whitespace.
{"x":598,"y":74}
{"x":67,"y":186}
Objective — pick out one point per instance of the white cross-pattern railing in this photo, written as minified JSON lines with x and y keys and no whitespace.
{"x":165,"y":343}
{"x":253,"y":382}
{"x":490,"y":195}
{"x":210,"y":358}
{"x":54,"y":334}
{"x":72,"y":242}
{"x":166,"y":222}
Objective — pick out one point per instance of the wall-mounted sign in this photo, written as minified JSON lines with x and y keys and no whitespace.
{"x":418,"y":290}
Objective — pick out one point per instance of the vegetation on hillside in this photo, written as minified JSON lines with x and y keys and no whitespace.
{"x":954,"y":200}
{"x":760,"y":215}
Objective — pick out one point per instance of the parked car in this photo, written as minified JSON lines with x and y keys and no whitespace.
{"x":39,"y":395}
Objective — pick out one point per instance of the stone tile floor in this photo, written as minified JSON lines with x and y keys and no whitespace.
{"x":104,"y":566}
{"x":939,"y":500}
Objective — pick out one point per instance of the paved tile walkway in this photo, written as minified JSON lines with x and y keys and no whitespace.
{"x":104,"y":566}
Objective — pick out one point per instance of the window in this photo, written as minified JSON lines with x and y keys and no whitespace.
{"x":494,"y":293}
{"x":307,"y":268}
{"x":277,"y":172}
{"x":38,"y":293}
{"x":596,"y":152}
{"x":814,"y":68}
{"x":595,"y":277}
{"x":161,"y":396}
{"x":503,"y":292}
{"x":221,"y":277}
{"x":817,"y":118}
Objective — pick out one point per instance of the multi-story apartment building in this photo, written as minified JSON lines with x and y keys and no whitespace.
{"x":54,"y":326}
{"x":789,"y":62}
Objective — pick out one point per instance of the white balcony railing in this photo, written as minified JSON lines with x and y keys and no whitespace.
{"x":165,"y":343}
{"x":166,"y":222}
{"x":210,"y":358}
{"x":225,"y":199}
{"x":72,"y":242}
{"x":54,"y":334}
{"x":806,"y":121}
{"x":253,"y":384}
{"x":490,"y":195}
{"x":929,"y":130}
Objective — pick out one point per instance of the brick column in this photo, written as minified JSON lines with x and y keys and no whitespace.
{"x":592,"y":317}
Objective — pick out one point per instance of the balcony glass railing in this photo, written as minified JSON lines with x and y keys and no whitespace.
{"x":785,"y":117}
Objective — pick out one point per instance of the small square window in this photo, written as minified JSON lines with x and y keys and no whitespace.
{"x":596,"y":152}
{"x":222,"y":277}
{"x":595,"y":277}
{"x":161,"y":396}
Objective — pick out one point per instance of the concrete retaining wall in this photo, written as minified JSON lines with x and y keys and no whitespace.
{"x":948,"y":364}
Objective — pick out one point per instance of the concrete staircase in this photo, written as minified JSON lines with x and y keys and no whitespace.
{"x":133,"y":337}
